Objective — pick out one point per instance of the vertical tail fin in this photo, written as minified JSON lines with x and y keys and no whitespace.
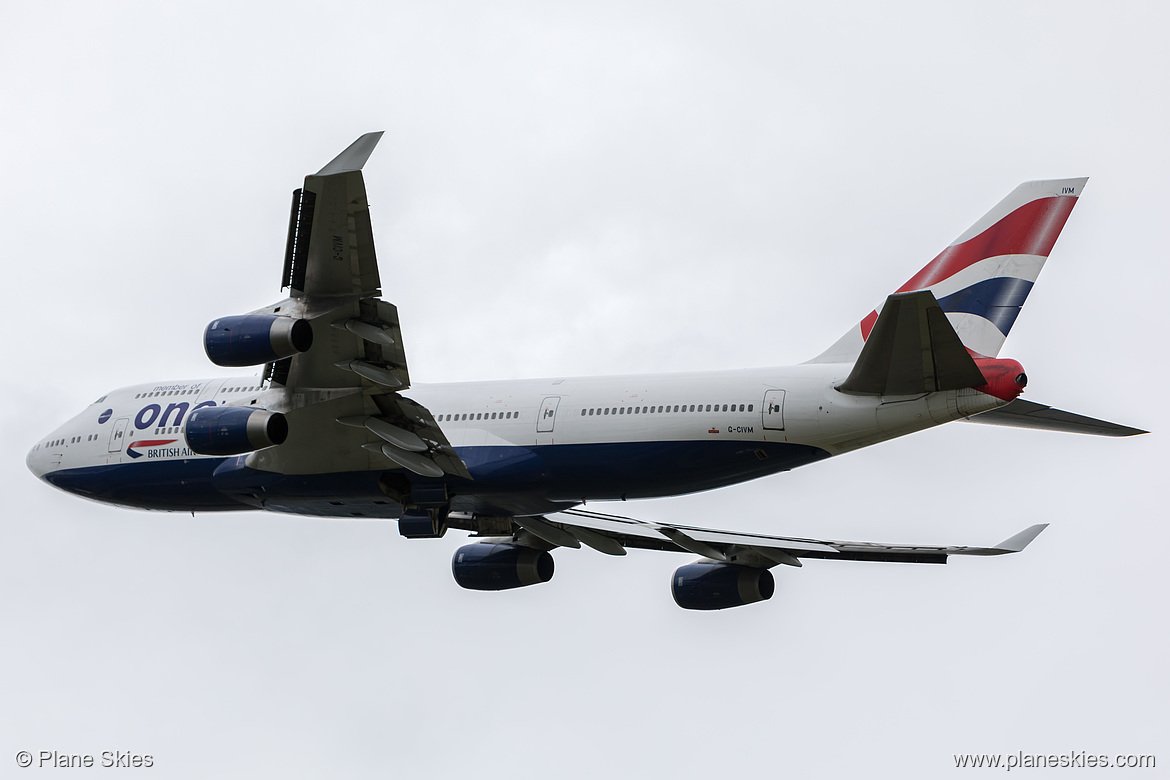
{"x":983,"y":278}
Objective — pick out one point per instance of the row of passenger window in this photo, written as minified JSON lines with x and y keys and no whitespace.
{"x":667,"y":409}
{"x":72,"y":440}
{"x":478,"y":416}
{"x":160,"y":393}
{"x":192,"y":391}
{"x":599,"y":411}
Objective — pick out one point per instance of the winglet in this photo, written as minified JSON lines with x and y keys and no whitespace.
{"x":354,"y":156}
{"x":1014,"y":544}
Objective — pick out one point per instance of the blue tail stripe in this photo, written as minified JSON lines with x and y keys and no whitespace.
{"x":996,"y":300}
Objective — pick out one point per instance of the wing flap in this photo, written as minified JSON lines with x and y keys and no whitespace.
{"x":416,"y":418}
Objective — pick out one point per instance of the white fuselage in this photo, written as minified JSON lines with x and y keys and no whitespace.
{"x":531,"y":445}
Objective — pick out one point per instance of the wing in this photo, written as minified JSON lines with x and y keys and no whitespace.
{"x":344,"y":397}
{"x":611,"y":534}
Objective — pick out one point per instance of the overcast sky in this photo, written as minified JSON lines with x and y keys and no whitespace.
{"x":619,"y":188}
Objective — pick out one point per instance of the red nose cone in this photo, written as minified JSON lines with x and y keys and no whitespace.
{"x":1005,"y":378}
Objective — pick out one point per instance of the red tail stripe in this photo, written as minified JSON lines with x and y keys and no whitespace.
{"x":867,"y":324}
{"x":1031,"y":229}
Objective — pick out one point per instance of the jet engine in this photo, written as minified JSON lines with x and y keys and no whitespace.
{"x":233,"y":430}
{"x":710,"y":585}
{"x":252,"y":339}
{"x":489,"y":566}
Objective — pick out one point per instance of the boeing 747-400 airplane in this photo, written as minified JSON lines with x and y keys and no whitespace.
{"x":334,"y":427}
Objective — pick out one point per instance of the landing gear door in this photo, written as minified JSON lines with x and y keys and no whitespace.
{"x":773,"y":410}
{"x":118,"y":435}
{"x":548,"y":414}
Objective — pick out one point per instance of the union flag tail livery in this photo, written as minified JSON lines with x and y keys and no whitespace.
{"x":333,"y":425}
{"x":983,"y":278}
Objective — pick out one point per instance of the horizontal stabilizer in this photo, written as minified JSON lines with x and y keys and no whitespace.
{"x":1025,"y":414}
{"x":912,"y":349}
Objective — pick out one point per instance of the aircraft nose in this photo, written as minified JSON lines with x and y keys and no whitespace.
{"x":35,"y":460}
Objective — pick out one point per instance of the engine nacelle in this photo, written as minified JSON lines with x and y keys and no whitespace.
{"x":720,"y":585}
{"x":252,"y":339}
{"x":233,"y":430}
{"x":487,"y":566}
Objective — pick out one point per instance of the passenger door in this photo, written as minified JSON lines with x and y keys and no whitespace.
{"x":773,"y":410}
{"x":548,"y":414}
{"x":118,"y":434}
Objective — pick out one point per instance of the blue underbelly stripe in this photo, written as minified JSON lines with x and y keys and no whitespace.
{"x":561,"y":471}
